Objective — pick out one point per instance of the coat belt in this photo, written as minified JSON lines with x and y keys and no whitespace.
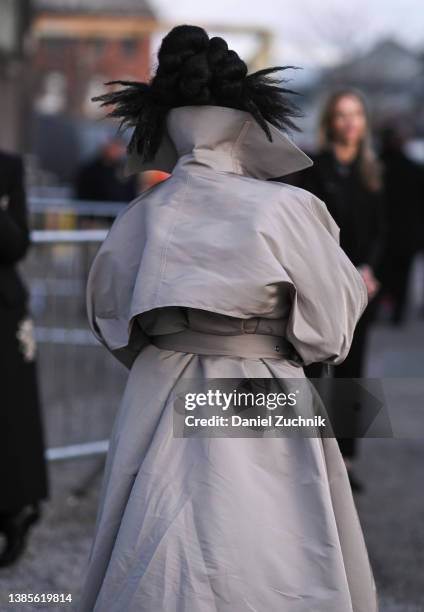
{"x":254,"y":346}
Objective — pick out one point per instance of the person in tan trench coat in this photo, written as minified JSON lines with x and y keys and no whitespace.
{"x":217,"y":273}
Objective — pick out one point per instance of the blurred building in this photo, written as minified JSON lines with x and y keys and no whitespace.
{"x":389,"y":74}
{"x":14,"y":21}
{"x":392,"y":77}
{"x":76,"y":47}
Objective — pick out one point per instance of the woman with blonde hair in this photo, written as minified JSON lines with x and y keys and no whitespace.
{"x":347,"y":175}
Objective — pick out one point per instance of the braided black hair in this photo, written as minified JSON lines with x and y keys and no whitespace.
{"x":196,"y":70}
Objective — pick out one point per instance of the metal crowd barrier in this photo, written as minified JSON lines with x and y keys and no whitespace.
{"x":80,"y":208}
{"x":80,"y":383}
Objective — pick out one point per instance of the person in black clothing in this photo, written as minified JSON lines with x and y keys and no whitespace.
{"x":347,"y":176}
{"x":102,"y":179}
{"x":23,"y":475}
{"x":404,"y":216}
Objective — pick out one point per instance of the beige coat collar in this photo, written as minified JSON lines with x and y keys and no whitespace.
{"x":225,"y":140}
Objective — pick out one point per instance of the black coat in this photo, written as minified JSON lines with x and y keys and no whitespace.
{"x":404,"y":183}
{"x":22,"y":467}
{"x":361,"y":217}
{"x":358,"y":211}
{"x":14,"y":235}
{"x":98,"y":180}
{"x":102,"y":182}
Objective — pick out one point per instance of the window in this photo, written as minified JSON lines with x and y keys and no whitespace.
{"x":129,"y":46}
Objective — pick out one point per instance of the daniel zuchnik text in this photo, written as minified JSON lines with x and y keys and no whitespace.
{"x":223,"y":401}
{"x":270,"y":420}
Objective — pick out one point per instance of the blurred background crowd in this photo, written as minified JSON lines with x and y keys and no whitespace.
{"x":62,"y":182}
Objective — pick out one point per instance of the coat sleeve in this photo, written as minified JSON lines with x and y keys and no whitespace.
{"x":378,"y":228}
{"x":14,"y":234}
{"x":110,"y":286}
{"x":329,"y":294}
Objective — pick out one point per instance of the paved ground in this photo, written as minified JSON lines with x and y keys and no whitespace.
{"x":391,"y":510}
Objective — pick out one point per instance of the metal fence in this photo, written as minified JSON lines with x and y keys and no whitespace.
{"x":80,"y":383}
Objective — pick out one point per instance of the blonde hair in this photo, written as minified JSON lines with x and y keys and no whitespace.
{"x":369,"y":166}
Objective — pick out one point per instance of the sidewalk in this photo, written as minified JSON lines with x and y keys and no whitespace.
{"x":392,"y":507}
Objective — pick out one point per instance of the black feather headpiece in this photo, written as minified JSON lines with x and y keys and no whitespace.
{"x":196,"y":70}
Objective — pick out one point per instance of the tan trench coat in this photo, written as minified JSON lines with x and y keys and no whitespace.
{"x":223,"y":524}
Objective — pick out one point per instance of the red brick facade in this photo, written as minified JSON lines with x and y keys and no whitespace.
{"x":85,"y":64}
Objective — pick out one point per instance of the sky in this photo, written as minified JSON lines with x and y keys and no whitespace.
{"x":306,"y":32}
